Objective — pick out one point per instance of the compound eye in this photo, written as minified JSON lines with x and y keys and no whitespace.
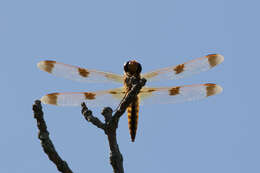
{"x":139,"y":68}
{"x":126,"y":66}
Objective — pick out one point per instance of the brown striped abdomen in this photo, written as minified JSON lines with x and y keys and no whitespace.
{"x":132,"y":113}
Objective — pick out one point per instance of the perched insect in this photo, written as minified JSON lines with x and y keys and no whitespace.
{"x":132,"y":68}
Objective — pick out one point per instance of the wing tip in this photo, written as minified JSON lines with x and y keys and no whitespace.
{"x":213,"y":89}
{"x":50,"y":99}
{"x":215,"y":59}
{"x":40,"y":65}
{"x":218,"y":89}
{"x":46,"y":65}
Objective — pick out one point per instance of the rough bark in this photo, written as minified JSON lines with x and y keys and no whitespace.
{"x":46,"y":142}
{"x":109,"y":127}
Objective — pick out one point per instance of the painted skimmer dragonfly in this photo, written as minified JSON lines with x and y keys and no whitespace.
{"x":147,"y":94}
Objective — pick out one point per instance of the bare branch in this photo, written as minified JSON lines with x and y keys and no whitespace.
{"x":107,"y":113}
{"x":116,"y":158}
{"x":46,"y":142}
{"x":109,"y":127}
{"x":89,"y":117}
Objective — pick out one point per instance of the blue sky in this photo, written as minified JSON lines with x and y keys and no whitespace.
{"x":218,"y":134}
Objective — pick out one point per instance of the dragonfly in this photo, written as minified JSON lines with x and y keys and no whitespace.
{"x":112,"y":97}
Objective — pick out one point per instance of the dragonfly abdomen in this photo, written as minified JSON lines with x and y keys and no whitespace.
{"x":133,"y":113}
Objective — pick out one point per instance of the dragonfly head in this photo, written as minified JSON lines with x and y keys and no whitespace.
{"x":132,"y":67}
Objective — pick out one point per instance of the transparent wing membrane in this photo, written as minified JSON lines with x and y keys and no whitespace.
{"x":77,"y":73}
{"x":93,"y":99}
{"x":186,"y":69}
{"x":178,"y":94}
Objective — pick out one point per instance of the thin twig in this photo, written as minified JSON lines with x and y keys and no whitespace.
{"x":109,"y":127}
{"x":89,"y":117}
{"x":111,"y":123}
{"x":46,"y":142}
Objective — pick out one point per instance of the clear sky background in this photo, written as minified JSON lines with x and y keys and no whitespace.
{"x":218,"y":134}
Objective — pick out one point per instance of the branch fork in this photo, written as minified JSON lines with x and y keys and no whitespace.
{"x":109,"y":127}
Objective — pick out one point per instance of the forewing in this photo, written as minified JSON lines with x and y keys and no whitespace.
{"x":93,"y":99}
{"x":77,"y":73}
{"x":178,"y":94}
{"x":187,"y":69}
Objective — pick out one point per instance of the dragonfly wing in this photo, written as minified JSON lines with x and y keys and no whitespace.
{"x":93,"y":99}
{"x":178,"y":94}
{"x":77,"y":73}
{"x":187,"y":69}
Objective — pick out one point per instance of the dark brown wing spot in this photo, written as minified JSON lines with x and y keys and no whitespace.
{"x":89,"y":96}
{"x":174,"y":91}
{"x":113,"y":92}
{"x":213,"y":59}
{"x":48,"y":66}
{"x":52,"y":98}
{"x":211,"y":89}
{"x":150,"y":90}
{"x":179,"y":68}
{"x":83,"y":72}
